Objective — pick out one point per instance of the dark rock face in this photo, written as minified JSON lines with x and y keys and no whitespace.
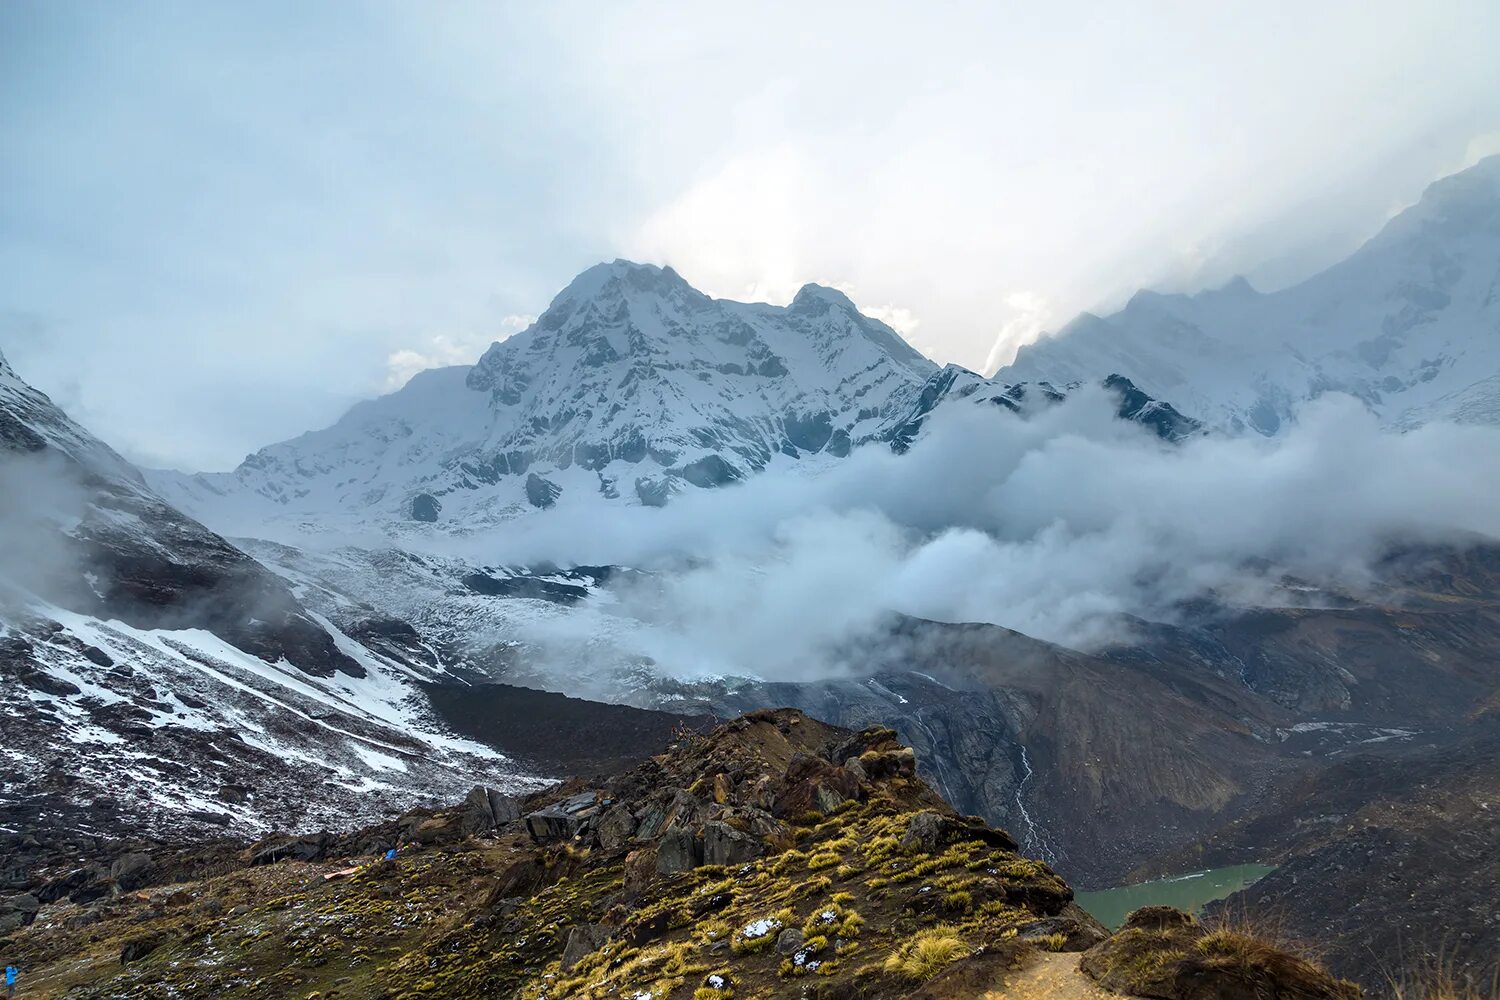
{"x":541,"y":492}
{"x":653,"y":491}
{"x":1162,"y":418}
{"x":955,"y":384}
{"x":810,"y":431}
{"x":525,"y":586}
{"x":709,"y":471}
{"x":425,"y":507}
{"x":678,"y":851}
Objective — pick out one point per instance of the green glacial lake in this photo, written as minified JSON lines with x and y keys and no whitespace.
{"x":1186,"y":892}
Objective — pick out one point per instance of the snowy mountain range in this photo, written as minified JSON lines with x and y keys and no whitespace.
{"x":631,"y":387}
{"x":1410,"y":324}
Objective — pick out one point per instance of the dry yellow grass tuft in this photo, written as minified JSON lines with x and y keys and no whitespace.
{"x":1437,"y":980}
{"x":927,"y":954}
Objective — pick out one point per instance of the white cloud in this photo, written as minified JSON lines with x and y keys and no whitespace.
{"x":1054,"y":525}
{"x":1031,"y":315}
{"x":898,"y":318}
{"x":1076,"y":156}
{"x":440,"y":351}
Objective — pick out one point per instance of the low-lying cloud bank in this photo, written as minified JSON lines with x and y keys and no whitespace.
{"x":1054,"y":525}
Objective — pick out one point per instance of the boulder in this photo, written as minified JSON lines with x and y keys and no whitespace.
{"x":615,"y":828}
{"x":233,"y":794}
{"x":583,"y":940}
{"x":563,"y":820}
{"x":505,"y":808}
{"x":664,"y":814}
{"x":284,"y":848}
{"x":815,"y":785}
{"x":1080,"y":931}
{"x":724,"y":845}
{"x":65,"y":885}
{"x":131,"y":871}
{"x":18,"y":911}
{"x":678,"y":851}
{"x":446,"y":828}
{"x":930,"y":831}
{"x":476,"y":816}
{"x":82,"y":918}
{"x":922,"y":832}
{"x":789,"y":940}
{"x":640,"y":869}
{"x":139,"y":947}
{"x":210,"y":817}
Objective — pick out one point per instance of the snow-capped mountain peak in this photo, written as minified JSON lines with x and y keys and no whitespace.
{"x":632,"y":385}
{"x":1410,"y":324}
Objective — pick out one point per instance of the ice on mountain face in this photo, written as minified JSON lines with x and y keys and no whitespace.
{"x":631,"y":386}
{"x":1410,"y":325}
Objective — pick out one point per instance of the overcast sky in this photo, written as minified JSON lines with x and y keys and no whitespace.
{"x":222,"y":224}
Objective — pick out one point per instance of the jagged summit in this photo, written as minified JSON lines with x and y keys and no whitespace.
{"x":632,"y":385}
{"x":1406,"y":324}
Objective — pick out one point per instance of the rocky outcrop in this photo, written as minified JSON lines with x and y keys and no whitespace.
{"x":541,"y":492}
{"x":773,"y":856}
{"x":1166,"y":954}
{"x":425,"y":507}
